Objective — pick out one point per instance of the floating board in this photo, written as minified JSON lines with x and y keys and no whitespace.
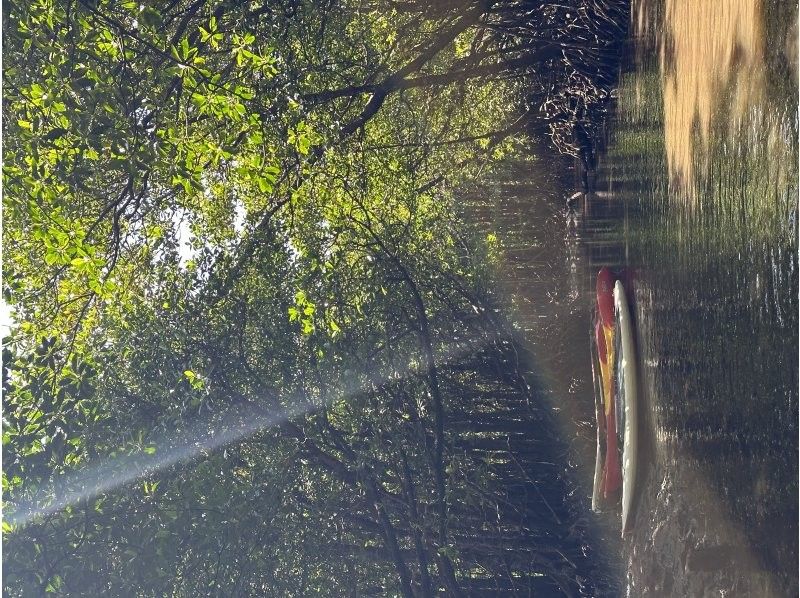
{"x":598,"y":476}
{"x":598,"y":407}
{"x":626,"y":375}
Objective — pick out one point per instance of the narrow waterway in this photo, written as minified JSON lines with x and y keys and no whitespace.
{"x":543,"y":257}
{"x":704,"y":154}
{"x":696,"y":192}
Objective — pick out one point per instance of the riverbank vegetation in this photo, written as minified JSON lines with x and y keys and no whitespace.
{"x":254,"y":351}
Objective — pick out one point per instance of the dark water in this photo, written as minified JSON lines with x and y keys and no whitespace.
{"x":543,"y":273}
{"x":711,"y":230}
{"x":697,"y":192}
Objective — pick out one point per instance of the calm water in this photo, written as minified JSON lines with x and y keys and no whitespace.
{"x":697,"y":191}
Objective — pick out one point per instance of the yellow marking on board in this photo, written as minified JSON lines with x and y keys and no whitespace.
{"x":605,"y":368}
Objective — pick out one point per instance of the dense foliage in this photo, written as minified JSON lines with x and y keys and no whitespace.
{"x":253,"y":350}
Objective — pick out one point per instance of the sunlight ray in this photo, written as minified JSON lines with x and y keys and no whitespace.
{"x":201,"y":438}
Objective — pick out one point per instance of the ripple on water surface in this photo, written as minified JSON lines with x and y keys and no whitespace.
{"x":704,"y":155}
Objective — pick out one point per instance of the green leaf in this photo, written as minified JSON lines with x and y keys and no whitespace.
{"x":152,"y":18}
{"x":55,"y":134}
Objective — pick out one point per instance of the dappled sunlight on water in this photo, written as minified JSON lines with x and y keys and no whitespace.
{"x":713,"y":66}
{"x":696,"y":192}
{"x":704,"y":155}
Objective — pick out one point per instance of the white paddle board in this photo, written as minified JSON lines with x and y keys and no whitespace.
{"x":626,"y":373}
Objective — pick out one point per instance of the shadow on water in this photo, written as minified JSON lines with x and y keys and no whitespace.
{"x":697,"y":191}
{"x":543,"y":280}
{"x":704,"y":154}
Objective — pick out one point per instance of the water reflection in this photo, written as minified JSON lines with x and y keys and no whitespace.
{"x":714,"y":118}
{"x":716,"y":296}
{"x":708,"y":48}
{"x":715,"y":64}
{"x":542,"y":229}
